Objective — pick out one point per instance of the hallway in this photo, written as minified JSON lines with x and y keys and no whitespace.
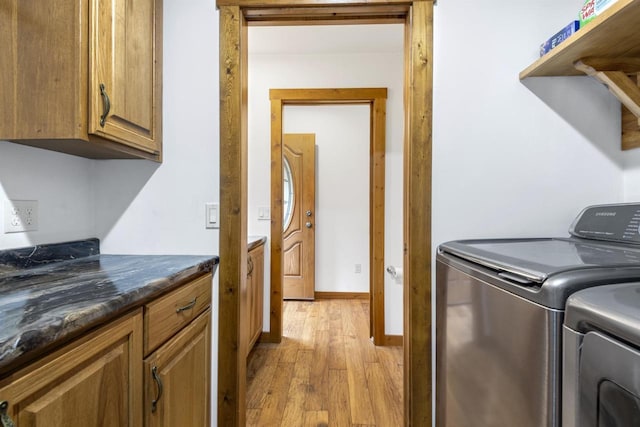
{"x":325,"y":372}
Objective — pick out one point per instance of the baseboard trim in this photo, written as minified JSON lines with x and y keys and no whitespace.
{"x":342,"y":295}
{"x":393,"y":340}
{"x":267,"y":337}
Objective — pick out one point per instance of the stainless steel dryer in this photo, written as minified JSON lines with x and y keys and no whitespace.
{"x":601,"y":383}
{"x":499,"y":314}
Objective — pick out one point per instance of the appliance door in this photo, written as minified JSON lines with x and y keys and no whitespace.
{"x":571,"y":345}
{"x":497,"y":354}
{"x":609,"y":383}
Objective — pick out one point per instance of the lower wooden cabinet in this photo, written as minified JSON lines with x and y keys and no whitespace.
{"x":102,"y":378}
{"x":255,"y":293}
{"x":92,"y":382}
{"x":177,"y":378}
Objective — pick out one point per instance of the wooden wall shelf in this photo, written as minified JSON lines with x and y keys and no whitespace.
{"x":613,"y":34}
{"x":610,"y":40}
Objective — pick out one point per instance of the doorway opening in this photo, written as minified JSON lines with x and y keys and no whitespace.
{"x":235,"y":16}
{"x":375,"y":98}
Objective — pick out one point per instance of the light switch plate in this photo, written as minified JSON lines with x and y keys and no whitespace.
{"x":264,"y":213}
{"x":212,"y":215}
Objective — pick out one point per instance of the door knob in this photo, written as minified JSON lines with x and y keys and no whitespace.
{"x":308,"y":213}
{"x":309,"y":225}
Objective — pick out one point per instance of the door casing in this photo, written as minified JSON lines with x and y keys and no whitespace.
{"x":376,"y":98}
{"x":235,"y":16}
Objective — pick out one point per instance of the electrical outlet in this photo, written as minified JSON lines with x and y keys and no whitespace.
{"x":20,"y":216}
{"x":358,"y":268}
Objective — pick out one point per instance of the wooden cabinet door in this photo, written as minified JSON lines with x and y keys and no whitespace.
{"x":125,"y":72}
{"x":177,"y":378}
{"x":255,"y":294}
{"x":93,"y":382}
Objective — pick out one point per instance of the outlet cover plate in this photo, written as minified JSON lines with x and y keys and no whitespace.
{"x":20,"y":216}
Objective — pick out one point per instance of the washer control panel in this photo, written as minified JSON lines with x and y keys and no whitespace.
{"x":616,"y":223}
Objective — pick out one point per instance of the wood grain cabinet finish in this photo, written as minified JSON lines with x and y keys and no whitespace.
{"x":255,"y":293}
{"x":83,"y":76}
{"x":172,"y":312}
{"x":103,"y":378}
{"x":177,"y":375}
{"x":94,"y":381}
{"x":177,"y":378}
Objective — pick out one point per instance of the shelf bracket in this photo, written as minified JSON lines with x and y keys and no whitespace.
{"x":614,"y":74}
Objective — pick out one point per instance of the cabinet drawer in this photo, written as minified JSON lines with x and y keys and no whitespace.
{"x":167,"y":315}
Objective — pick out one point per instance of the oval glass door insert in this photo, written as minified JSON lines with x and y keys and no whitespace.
{"x":287,"y":193}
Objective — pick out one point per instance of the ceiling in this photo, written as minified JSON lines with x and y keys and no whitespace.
{"x":326,"y":39}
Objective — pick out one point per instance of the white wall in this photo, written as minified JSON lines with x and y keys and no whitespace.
{"x":61,"y":184}
{"x":510,"y":159}
{"x":143,"y":207}
{"x":295,"y":70}
{"x":342,"y":192}
{"x":137,"y":206}
{"x":632,"y":176}
{"x":515,"y":159}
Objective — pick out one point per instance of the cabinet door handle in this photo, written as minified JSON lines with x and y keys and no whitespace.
{"x":106,"y":105}
{"x":188,"y":306}
{"x":156,"y":378}
{"x":249,"y":265}
{"x":5,"y":420}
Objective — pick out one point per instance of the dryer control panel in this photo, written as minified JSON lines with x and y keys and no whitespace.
{"x":615,"y":223}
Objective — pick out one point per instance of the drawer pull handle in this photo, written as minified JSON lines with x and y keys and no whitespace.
{"x":5,"y":420}
{"x":156,"y":378}
{"x":188,"y":306}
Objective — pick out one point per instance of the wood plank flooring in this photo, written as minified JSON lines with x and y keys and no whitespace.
{"x":326,"y":371}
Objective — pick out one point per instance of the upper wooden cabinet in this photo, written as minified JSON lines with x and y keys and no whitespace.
{"x":607,"y":49}
{"x":83,"y":77}
{"x":124,"y":78}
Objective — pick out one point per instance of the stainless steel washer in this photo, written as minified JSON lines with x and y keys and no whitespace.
{"x":499,"y":315}
{"x":601,"y":384}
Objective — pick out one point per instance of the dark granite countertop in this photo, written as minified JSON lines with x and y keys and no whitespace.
{"x":255,"y":241}
{"x":48,"y":296}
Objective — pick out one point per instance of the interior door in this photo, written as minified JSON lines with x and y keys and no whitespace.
{"x":298,"y":239}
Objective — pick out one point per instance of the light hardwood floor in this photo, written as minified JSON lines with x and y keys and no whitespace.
{"x":326,"y":371}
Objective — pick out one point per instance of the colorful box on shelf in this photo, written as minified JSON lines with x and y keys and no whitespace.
{"x":591,"y":9}
{"x":559,"y":37}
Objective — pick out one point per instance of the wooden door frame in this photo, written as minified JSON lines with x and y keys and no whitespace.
{"x":376,"y":98}
{"x":235,"y":16}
